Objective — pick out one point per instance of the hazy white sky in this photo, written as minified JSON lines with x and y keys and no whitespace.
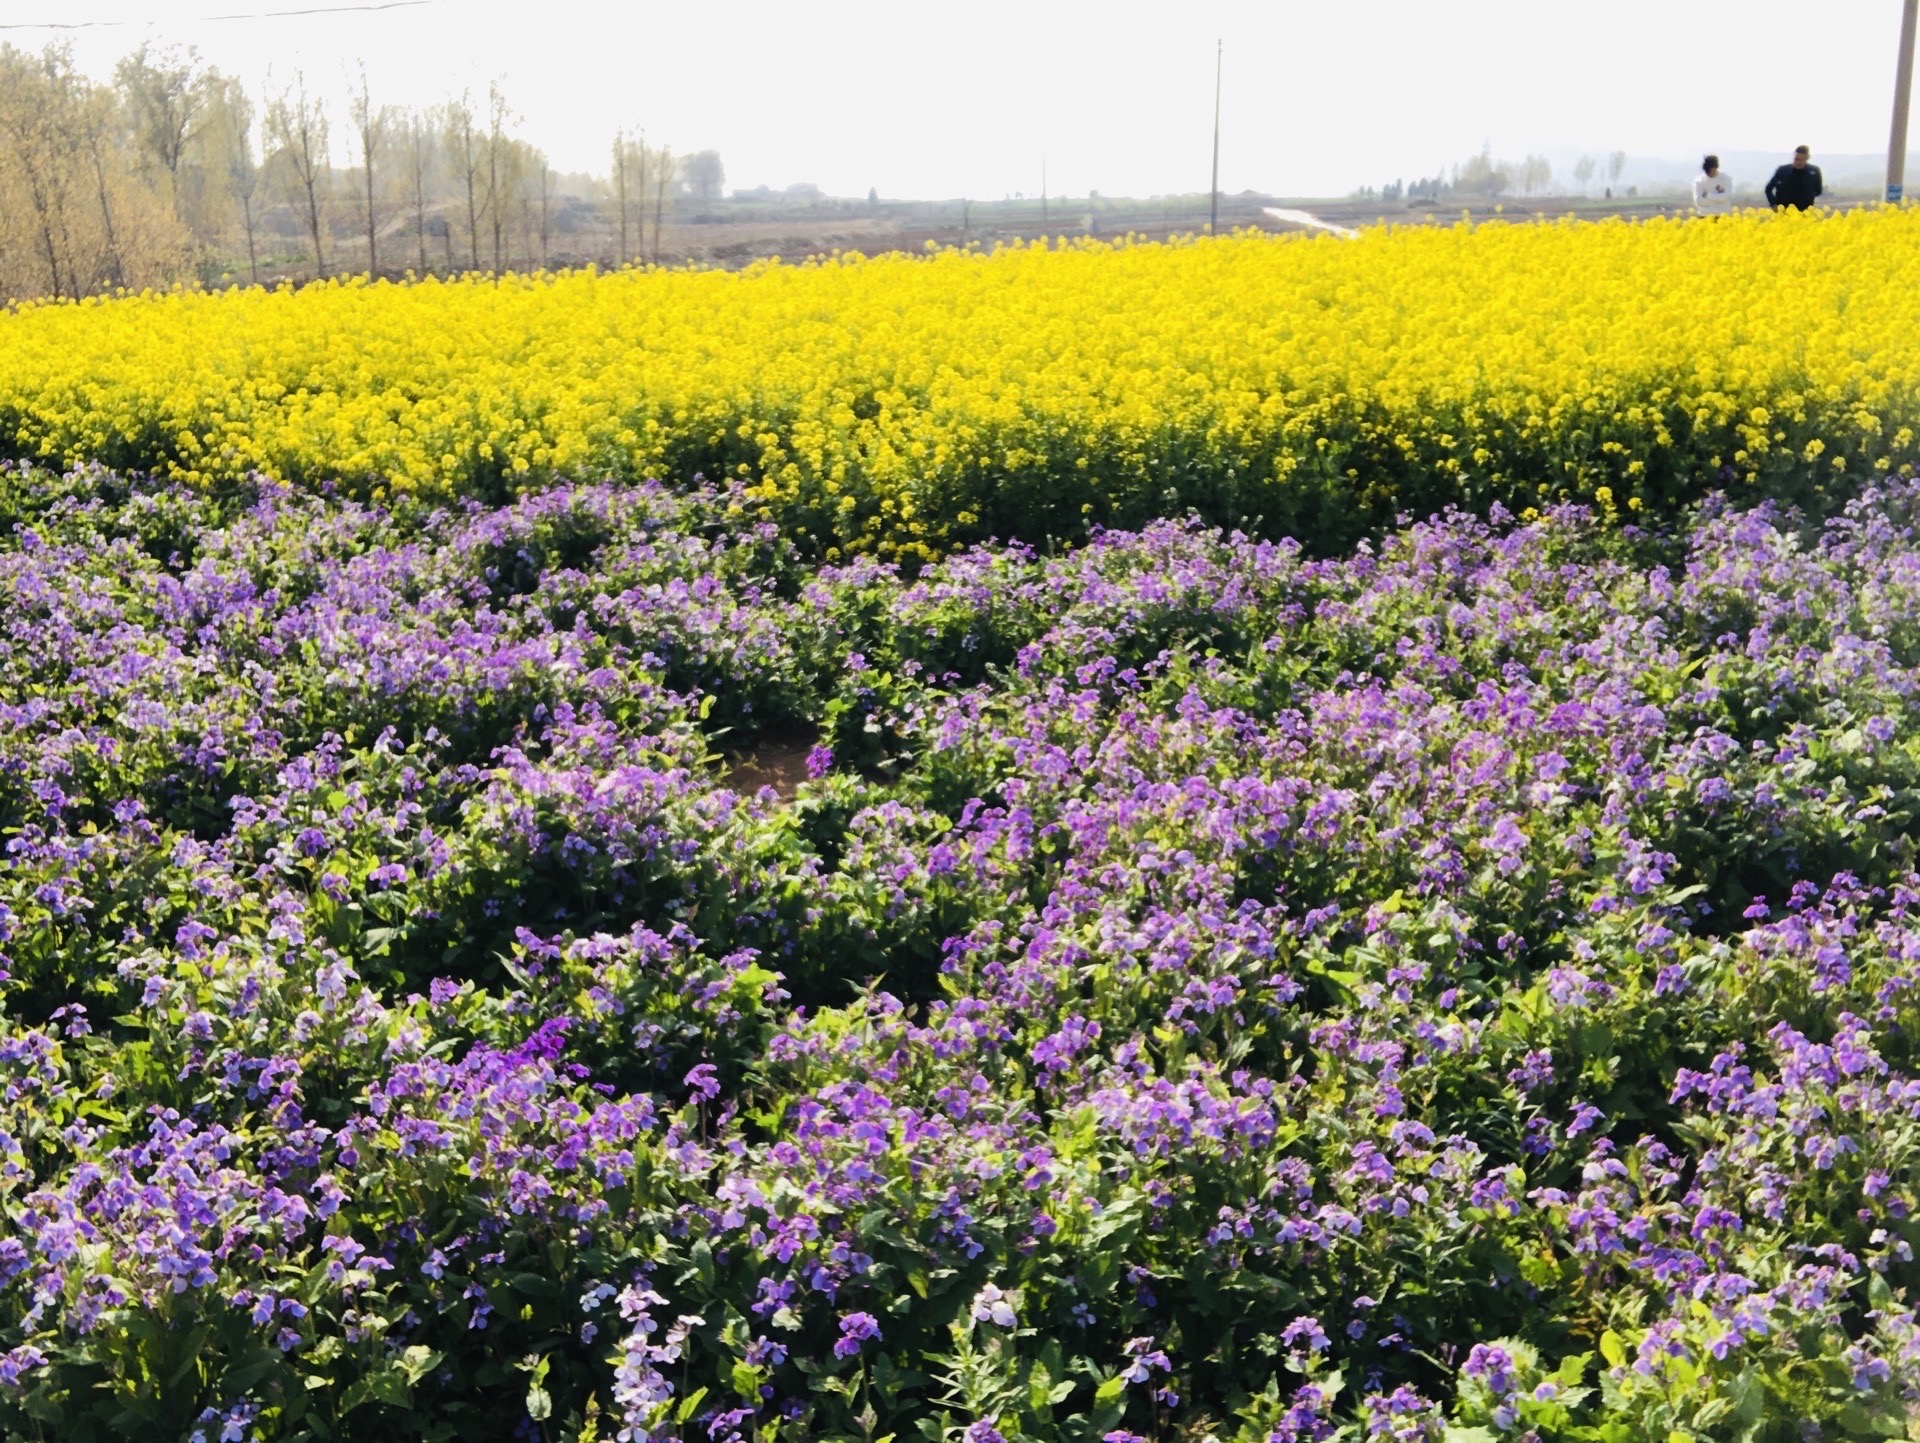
{"x":940,"y":100}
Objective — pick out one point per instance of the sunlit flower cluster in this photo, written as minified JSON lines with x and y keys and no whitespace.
{"x":901,"y":406}
{"x":1465,"y":988}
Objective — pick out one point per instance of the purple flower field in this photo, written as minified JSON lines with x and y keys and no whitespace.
{"x":1465,"y":989}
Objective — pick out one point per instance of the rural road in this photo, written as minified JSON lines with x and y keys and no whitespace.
{"x":1309,"y":220}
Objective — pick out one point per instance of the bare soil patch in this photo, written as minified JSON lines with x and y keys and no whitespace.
{"x":779,"y":762}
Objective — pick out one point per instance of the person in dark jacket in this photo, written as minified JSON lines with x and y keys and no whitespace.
{"x":1798,"y":185}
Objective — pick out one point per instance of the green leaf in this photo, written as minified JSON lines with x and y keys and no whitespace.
{"x":387,"y":1385}
{"x":1039,"y":1389}
{"x":1613,"y":1349}
{"x":195,"y":1341}
{"x":250,"y":1368}
{"x":1748,"y":1400}
{"x":1110,"y":1391}
{"x":1879,"y":1295}
{"x":1541,"y":1271}
{"x":539,"y":1404}
{"x":532,"y":1285}
{"x":418,"y":1361}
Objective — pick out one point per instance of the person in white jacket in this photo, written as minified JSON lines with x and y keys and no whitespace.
{"x":1712,"y":189}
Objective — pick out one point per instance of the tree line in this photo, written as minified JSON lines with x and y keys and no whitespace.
{"x":1483,"y":175}
{"x":171,"y":171}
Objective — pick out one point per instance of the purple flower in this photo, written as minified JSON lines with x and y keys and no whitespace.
{"x":990,"y":1305}
{"x":1306,"y":1331}
{"x":1142,"y":1359}
{"x":704,"y":1081}
{"x":17,"y":1363}
{"x":855,"y":1329}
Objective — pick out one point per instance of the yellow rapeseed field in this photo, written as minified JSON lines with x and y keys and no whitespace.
{"x":902,"y":404}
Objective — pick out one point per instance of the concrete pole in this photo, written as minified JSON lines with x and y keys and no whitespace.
{"x":1213,"y":196}
{"x":1902,"y":96}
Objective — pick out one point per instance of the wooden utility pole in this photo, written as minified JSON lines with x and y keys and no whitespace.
{"x":1902,"y":96}
{"x":1213,"y":195}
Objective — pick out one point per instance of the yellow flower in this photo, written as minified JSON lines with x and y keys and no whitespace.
{"x":909,"y":402}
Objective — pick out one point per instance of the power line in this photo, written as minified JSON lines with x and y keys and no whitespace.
{"x":210,"y":19}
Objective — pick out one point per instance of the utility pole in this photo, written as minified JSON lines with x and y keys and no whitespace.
{"x":1902,"y":95}
{"x":1213,"y":195}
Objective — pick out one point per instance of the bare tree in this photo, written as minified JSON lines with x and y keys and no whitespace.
{"x":92,"y":110}
{"x":297,"y":128}
{"x":630,"y":170}
{"x":131,"y":183}
{"x":75,"y":215}
{"x":1536,"y":173}
{"x":243,"y":172}
{"x":630,"y":192}
{"x":663,"y":177}
{"x":27,"y":123}
{"x":169,"y":96}
{"x":621,"y":192}
{"x":1583,"y":169}
{"x":546,"y":206}
{"x":640,"y":207}
{"x":504,"y":163}
{"x":371,"y":125}
{"x":1616,"y":163}
{"x":418,"y":141}
{"x":464,"y":145}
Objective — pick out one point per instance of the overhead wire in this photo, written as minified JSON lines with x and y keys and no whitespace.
{"x":211,"y":19}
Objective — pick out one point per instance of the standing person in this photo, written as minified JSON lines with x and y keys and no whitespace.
{"x":1712,"y":189}
{"x":1798,"y":185}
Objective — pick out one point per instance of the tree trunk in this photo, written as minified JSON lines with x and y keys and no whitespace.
{"x":493,"y":198}
{"x":659,"y":206}
{"x":373,"y":253}
{"x":313,"y":224}
{"x":546,"y":229}
{"x":419,"y":200}
{"x":640,"y":246}
{"x":246,"y":212}
{"x":473,"y":219}
{"x":114,"y":267}
{"x":43,"y":214}
{"x":620,"y":204}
